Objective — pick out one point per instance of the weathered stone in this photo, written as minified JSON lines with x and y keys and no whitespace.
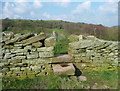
{"x":7,"y":55}
{"x":51,"y":41}
{"x":34,"y":39}
{"x":18,"y":50}
{"x":63,"y":59}
{"x":43,"y":60}
{"x":32,"y":55}
{"x":45,"y":49}
{"x":17,"y":35}
{"x":19,"y":57}
{"x":80,"y":44}
{"x":25,"y":69}
{"x":67,"y":69}
{"x":73,"y":38}
{"x":82,"y":78}
{"x":37,"y":44}
{"x":16,"y":69}
{"x":20,"y":65}
{"x":35,"y":68}
{"x":82,"y":59}
{"x":91,"y":37}
{"x":4,"y":70}
{"x":14,"y":60}
{"x":18,"y":44}
{"x":18,"y":38}
{"x":6,"y":46}
{"x":19,"y":54}
{"x":7,"y":50}
{"x":103,"y":46}
{"x":33,"y":49}
{"x":80,"y":37}
{"x":46,"y":54}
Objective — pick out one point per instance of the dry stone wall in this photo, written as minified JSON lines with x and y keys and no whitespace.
{"x":93,"y":53}
{"x":26,"y":55}
{"x":30,"y":55}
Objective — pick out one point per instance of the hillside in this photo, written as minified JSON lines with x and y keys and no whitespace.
{"x":60,"y":27}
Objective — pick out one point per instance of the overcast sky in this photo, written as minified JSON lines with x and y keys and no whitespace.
{"x":103,"y":12}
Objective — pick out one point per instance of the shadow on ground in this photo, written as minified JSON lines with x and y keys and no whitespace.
{"x":77,"y":71}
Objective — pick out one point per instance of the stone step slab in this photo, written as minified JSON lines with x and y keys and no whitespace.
{"x":63,"y":59}
{"x":63,"y":69}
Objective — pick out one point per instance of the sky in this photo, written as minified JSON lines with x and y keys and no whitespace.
{"x":103,"y":12}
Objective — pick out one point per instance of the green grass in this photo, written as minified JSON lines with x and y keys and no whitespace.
{"x":57,"y":30}
{"x":61,"y":46}
{"x":102,"y":78}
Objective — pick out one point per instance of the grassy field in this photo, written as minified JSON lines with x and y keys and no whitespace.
{"x":95,"y":80}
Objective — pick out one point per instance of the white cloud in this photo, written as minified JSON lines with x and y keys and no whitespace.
{"x":32,"y":13}
{"x":62,"y":3}
{"x":55,"y":17}
{"x":109,"y":7}
{"x":20,"y":7}
{"x":85,"y":6}
{"x":6,"y":12}
{"x":37,"y":4}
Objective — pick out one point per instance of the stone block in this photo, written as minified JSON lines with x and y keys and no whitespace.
{"x":4,"y":70}
{"x":25,"y":69}
{"x":37,"y":44}
{"x":82,"y":59}
{"x":18,"y":44}
{"x":35,"y":68}
{"x":45,"y":49}
{"x":81,"y":44}
{"x":63,"y":59}
{"x":19,"y":57}
{"x":15,"y":69}
{"x":32,"y":55}
{"x":19,"y":54}
{"x":34,"y":39}
{"x":33,"y":49}
{"x":73,"y":38}
{"x":44,"y":60}
{"x":66,"y":69}
{"x":7,"y":55}
{"x":28,"y":47}
{"x":18,"y":38}
{"x":19,"y":51}
{"x":51,"y":41}
{"x":14,"y":61}
{"x":46,"y":54}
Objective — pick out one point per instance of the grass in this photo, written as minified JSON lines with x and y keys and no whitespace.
{"x":102,"y":78}
{"x":61,"y":46}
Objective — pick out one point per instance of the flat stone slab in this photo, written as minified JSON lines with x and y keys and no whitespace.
{"x":33,"y":39}
{"x":66,"y":69}
{"x":37,"y":44}
{"x":22,"y":37}
{"x":45,"y":49}
{"x":81,"y":44}
{"x":63,"y":59}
